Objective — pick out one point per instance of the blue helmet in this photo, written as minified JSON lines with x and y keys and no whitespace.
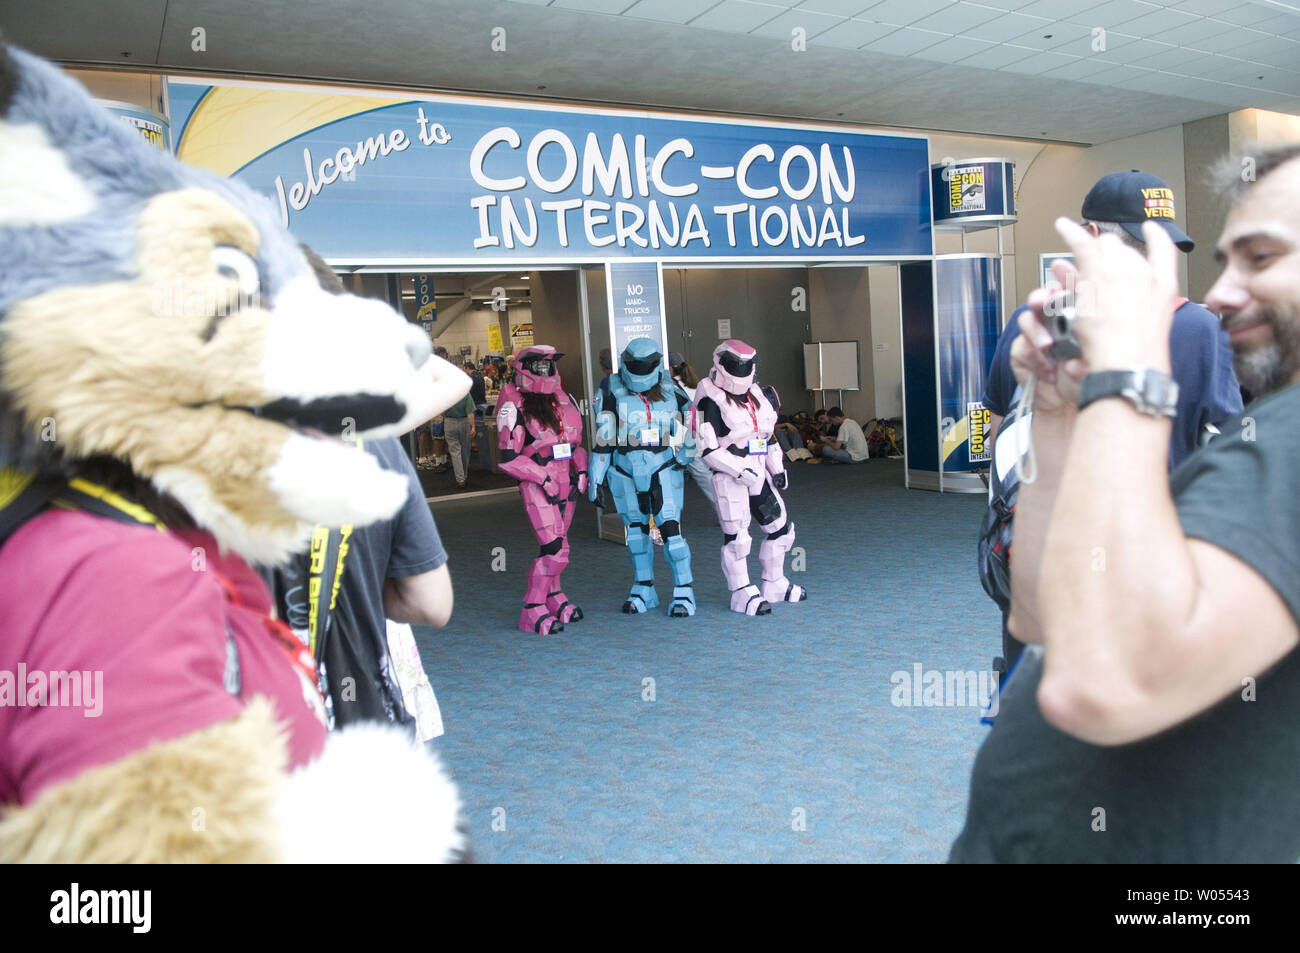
{"x":639,"y":364}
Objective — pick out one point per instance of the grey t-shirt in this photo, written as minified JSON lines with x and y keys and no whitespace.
{"x":1220,"y":787}
{"x":406,"y":545}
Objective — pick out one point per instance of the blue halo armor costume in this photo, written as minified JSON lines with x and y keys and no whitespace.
{"x":641,"y":447}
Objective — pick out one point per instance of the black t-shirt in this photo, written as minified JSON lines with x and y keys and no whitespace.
{"x":1223,"y":786}
{"x":1200,"y":358}
{"x":406,"y":545}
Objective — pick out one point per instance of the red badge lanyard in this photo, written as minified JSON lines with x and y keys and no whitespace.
{"x":753,"y":413}
{"x":649,"y":418}
{"x":299,"y":655}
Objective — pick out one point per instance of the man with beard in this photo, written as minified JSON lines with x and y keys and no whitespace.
{"x":1160,"y":719}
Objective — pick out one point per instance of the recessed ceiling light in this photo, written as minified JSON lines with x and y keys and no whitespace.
{"x":524,"y":277}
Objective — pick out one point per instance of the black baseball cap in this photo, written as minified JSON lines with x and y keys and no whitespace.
{"x":1131,"y":198}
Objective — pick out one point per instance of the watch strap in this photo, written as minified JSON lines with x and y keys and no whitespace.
{"x":1150,"y":391}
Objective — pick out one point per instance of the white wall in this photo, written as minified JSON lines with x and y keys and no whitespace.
{"x":886,"y":331}
{"x":472,"y":329}
{"x":1056,"y":181}
{"x":839,"y":309}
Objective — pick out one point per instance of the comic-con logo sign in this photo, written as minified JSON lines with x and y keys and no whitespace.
{"x":965,"y":188}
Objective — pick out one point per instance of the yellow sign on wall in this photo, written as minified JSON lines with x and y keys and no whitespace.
{"x":494,"y":337}
{"x":521,"y":335}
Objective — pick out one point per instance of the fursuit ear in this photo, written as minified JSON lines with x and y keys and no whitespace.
{"x":8,"y":76}
{"x":40,"y":114}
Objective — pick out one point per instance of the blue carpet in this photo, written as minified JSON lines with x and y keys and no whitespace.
{"x":768,"y":739}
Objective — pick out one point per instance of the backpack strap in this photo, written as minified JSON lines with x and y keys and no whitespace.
{"x":24,"y":495}
{"x":80,"y":494}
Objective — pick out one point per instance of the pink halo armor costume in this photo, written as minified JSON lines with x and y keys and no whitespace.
{"x":735,"y":418}
{"x":550,"y":464}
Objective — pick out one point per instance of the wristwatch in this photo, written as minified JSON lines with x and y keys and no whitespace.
{"x":1151,"y":392}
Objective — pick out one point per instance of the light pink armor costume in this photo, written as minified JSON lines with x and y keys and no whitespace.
{"x":551,"y":467}
{"x":735,"y":420}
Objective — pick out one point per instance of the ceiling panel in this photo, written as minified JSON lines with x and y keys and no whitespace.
{"x":783,"y":25}
{"x":1038,"y":63}
{"x":904,"y":12}
{"x":1226,"y":38}
{"x":1059,"y":9}
{"x":1205,"y":8}
{"x":701,"y":54}
{"x":997,"y":56}
{"x":102,"y":31}
{"x":737,"y":16}
{"x":1281,"y":24}
{"x":1157,"y":22}
{"x":670,"y":11}
{"x":1247,"y":14}
{"x":1008,"y":5}
{"x":1191,"y":33}
{"x":1136,"y":52}
{"x":1091,"y":70}
{"x":958,"y":19}
{"x":1176,"y":59}
{"x":1113,"y":14}
{"x":839,"y":8}
{"x":612,"y":7}
{"x":1163,"y":84}
{"x":1006,"y":27}
{"x":855,"y":34}
{"x":1267,"y":44}
{"x":906,"y":41}
{"x":955,"y":49}
{"x":1052,"y":36}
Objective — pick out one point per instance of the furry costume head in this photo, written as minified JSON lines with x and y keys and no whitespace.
{"x":160,"y":328}
{"x":158,"y":316}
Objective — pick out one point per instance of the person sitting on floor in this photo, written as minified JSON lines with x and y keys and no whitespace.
{"x":849,"y":445}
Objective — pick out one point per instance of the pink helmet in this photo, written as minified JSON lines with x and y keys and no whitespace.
{"x":734,"y":363}
{"x":535,"y":370}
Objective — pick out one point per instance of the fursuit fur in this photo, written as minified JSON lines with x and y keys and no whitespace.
{"x":167,"y":331}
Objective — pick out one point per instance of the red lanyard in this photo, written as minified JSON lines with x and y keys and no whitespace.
{"x":299,"y":655}
{"x":752,"y":412}
{"x":649,"y":418}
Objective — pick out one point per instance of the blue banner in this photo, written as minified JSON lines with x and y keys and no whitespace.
{"x":426,"y":308}
{"x":445,"y":180}
{"x":916,"y":297}
{"x":635,"y":304}
{"x":966,"y":328}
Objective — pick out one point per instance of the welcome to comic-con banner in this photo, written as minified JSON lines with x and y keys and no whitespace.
{"x":362,"y":178}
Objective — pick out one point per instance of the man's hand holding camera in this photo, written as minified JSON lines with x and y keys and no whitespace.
{"x":1123,"y":306}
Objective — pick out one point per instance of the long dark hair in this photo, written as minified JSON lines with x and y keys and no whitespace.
{"x":687,"y":375}
{"x":541,"y":407}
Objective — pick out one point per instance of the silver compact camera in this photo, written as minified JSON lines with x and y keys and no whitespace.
{"x":1058,"y":315}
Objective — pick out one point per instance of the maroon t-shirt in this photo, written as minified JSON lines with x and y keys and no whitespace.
{"x":114,"y":636}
